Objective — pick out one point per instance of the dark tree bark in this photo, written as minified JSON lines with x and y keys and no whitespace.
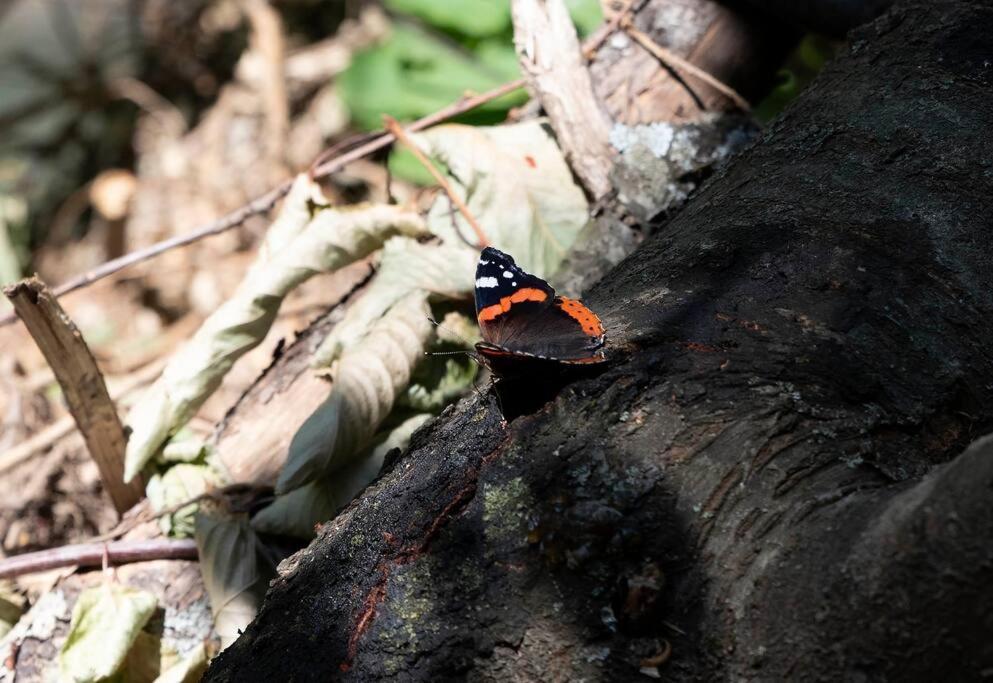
{"x":770,"y":476}
{"x":832,"y":17}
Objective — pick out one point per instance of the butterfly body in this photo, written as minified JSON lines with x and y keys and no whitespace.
{"x":525,"y":325}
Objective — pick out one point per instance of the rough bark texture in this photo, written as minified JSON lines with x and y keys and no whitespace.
{"x":834,"y":17}
{"x":769,"y":476}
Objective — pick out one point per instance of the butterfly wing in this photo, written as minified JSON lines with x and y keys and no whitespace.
{"x":519,"y":314}
{"x":501,"y":285}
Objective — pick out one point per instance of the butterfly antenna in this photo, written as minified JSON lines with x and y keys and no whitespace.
{"x":452,"y":332}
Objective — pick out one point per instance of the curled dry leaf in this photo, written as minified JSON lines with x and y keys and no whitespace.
{"x":367,"y":379}
{"x":299,"y":511}
{"x":406,"y":266}
{"x":235,"y":570}
{"x":105,"y":623}
{"x":518,"y":186}
{"x":297,"y":250}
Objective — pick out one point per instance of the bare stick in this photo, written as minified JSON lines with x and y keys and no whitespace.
{"x":549,"y":52}
{"x":92,"y":555}
{"x":82,"y":384}
{"x":226,"y":495}
{"x":268,"y":41}
{"x":268,"y":200}
{"x":58,"y":429}
{"x":404,"y":139}
{"x":670,"y":58}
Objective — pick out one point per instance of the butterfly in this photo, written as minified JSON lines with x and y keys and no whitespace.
{"x":524,"y":324}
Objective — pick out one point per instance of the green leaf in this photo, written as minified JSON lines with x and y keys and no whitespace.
{"x":235,"y":572}
{"x":186,"y":450}
{"x":586,"y":14}
{"x":404,"y":165}
{"x":11,"y":608}
{"x":298,"y":512}
{"x":476,"y":18}
{"x":412,"y":74}
{"x":144,"y":660}
{"x":439,"y":381}
{"x":499,"y":55}
{"x":105,"y":622}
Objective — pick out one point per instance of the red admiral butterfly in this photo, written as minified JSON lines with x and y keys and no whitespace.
{"x":523,"y":323}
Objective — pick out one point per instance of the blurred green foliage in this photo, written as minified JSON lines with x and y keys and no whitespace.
{"x":414,"y":73}
{"x":470,"y":18}
{"x":436,"y":52}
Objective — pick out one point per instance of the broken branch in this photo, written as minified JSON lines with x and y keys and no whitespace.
{"x":82,"y":384}
{"x":93,"y":555}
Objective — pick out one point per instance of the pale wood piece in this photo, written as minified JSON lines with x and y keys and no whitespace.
{"x":82,"y":384}
{"x":550,"y":55}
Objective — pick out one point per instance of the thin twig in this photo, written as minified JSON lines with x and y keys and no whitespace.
{"x":672,"y":59}
{"x":386,"y":139}
{"x":595,"y":41}
{"x":342,"y":146}
{"x":268,"y":200}
{"x":452,"y":211}
{"x":398,"y":132}
{"x":231,"y":220}
{"x":92,"y":554}
{"x":218,"y":495}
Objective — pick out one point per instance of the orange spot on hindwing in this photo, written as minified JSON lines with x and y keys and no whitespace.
{"x":584,"y":316}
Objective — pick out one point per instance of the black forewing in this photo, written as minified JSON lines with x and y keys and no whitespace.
{"x":490,"y":270}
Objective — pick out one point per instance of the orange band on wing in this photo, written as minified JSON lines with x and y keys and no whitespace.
{"x":585,"y":317}
{"x":525,"y":294}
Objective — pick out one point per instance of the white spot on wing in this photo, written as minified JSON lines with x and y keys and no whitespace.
{"x":483,"y":263}
{"x":486,"y":282}
{"x":507,"y":274}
